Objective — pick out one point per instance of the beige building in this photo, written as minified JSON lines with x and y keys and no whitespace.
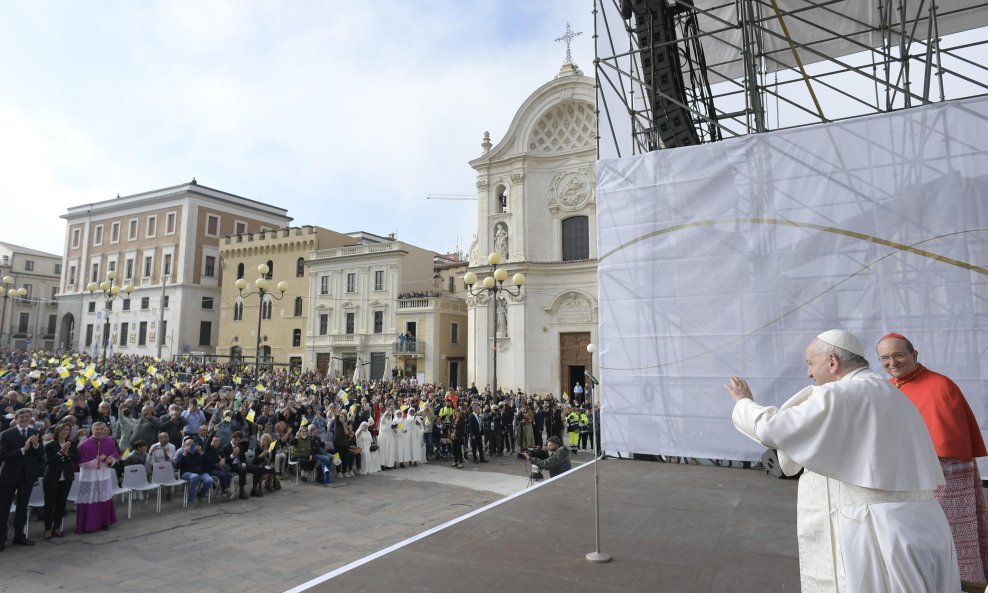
{"x":439,"y":352}
{"x":29,"y":322}
{"x":284,"y":322}
{"x":165,"y":244}
{"x":364,"y":298}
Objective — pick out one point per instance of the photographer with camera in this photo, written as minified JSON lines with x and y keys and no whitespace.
{"x":557,"y":461}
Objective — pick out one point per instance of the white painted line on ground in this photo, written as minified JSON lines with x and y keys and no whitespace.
{"x":370,"y":557}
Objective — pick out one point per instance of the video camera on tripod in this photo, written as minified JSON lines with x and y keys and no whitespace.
{"x":535,"y":474}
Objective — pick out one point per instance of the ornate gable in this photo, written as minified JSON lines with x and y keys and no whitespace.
{"x":567,"y":126}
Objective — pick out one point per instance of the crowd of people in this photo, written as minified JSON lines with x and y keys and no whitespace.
{"x":67,"y":418}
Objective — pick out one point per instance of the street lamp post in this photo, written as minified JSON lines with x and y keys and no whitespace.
{"x":108,"y":291}
{"x":493,"y":286}
{"x":7,"y":292}
{"x":262,"y":285}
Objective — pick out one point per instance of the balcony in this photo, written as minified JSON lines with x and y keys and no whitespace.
{"x":415,"y":303}
{"x":414,"y":348}
{"x":355,"y":340}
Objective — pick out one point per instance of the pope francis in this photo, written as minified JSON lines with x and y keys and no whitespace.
{"x":867,"y":521}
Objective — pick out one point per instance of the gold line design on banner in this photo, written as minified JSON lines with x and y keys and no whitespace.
{"x":897,"y":246}
{"x":819,"y":227}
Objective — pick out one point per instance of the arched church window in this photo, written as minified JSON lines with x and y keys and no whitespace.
{"x":300,"y":267}
{"x":576,"y":238}
{"x":500,"y":199}
{"x":240,"y":271}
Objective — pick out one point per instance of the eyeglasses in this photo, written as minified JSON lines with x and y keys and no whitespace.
{"x":896,"y":356}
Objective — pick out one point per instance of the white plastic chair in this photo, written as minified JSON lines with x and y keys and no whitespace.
{"x":74,"y":490}
{"x":37,"y":501}
{"x":163,"y":473}
{"x":135,"y":479}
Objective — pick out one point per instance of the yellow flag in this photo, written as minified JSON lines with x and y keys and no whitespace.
{"x":152,"y":370}
{"x":261,"y":387}
{"x":34,"y":362}
{"x":404,"y":407}
{"x":250,"y":416}
{"x":68,"y":404}
{"x":401,"y":426}
{"x":305,"y":422}
{"x":52,"y":361}
{"x":63,"y":372}
{"x":126,"y":453}
{"x":80,"y":383}
{"x":236,"y":380}
{"x":273,"y":445}
{"x":353,"y":409}
{"x":200,"y":400}
{"x":137,"y":381}
{"x":90,"y":371}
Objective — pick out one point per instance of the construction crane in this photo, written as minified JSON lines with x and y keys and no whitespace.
{"x":464,"y":197}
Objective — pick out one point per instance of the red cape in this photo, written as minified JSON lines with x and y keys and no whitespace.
{"x":952,"y":424}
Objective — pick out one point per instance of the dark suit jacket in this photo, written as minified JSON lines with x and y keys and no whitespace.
{"x":474,"y":426}
{"x":459,"y":429}
{"x":20,"y":467}
{"x":59,"y":466}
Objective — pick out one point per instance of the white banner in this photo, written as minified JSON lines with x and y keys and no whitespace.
{"x":728,"y":258}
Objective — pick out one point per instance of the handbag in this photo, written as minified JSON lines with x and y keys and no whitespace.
{"x":356,"y":450}
{"x":374,"y":447}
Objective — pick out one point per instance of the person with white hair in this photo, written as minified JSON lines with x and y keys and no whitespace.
{"x":866,"y":516}
{"x":370,"y":462}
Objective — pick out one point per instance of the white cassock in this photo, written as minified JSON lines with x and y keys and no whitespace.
{"x":867,"y":521}
{"x":387,"y":454}
{"x":417,"y":442}
{"x":370,"y":461}
{"x":403,"y":439}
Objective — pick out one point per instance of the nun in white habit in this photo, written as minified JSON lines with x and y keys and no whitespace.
{"x":370,"y":461}
{"x":387,"y":451}
{"x":415,"y":430}
{"x":403,"y":439}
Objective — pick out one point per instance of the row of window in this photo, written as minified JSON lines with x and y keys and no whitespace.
{"x":142,"y":334}
{"x":150,"y":229}
{"x":147,"y":268}
{"x":207,"y":303}
{"x":27,"y":286}
{"x":351,"y":282}
{"x":29,"y":266}
{"x":24,"y":324}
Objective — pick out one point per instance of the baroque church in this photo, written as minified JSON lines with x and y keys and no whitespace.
{"x":536,"y":208}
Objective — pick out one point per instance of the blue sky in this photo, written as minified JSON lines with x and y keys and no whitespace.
{"x":346,"y":114}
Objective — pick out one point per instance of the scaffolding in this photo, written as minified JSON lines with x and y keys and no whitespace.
{"x":749,"y":66}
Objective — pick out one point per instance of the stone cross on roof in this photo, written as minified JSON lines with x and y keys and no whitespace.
{"x":568,"y":37}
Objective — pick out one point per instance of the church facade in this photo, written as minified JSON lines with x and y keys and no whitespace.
{"x":536,"y":208}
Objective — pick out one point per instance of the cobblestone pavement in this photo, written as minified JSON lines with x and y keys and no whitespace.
{"x":268,"y":544}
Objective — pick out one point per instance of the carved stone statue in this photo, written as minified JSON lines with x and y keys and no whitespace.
{"x":501,"y":241}
{"x":501,"y":315}
{"x":473,"y":252}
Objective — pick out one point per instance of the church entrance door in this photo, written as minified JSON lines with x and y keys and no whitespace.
{"x":573,"y":360}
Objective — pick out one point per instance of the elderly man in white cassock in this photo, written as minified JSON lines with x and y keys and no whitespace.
{"x":867,"y":521}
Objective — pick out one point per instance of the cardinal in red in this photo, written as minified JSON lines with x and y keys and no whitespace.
{"x":957,"y":440}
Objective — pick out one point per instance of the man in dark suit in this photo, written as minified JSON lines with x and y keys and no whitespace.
{"x":475,"y":426}
{"x":538,"y":424}
{"x":23,"y":460}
